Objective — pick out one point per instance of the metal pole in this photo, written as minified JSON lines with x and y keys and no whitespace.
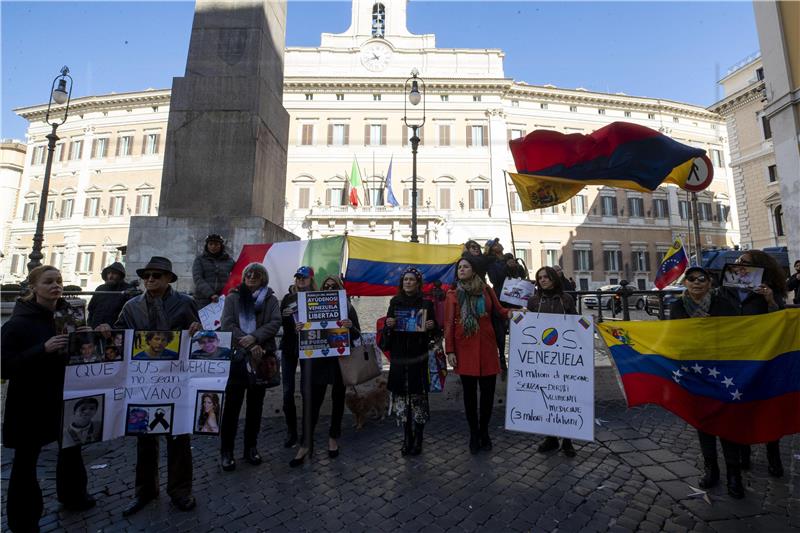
{"x":696,"y":222}
{"x":38,"y":237}
{"x":510,"y":226}
{"x":414,"y":145}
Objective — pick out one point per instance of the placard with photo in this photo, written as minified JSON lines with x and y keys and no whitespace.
{"x":149,"y":419}
{"x":211,"y":345}
{"x":742,"y":276}
{"x":156,"y":345}
{"x":83,"y":420}
{"x":96,"y":347}
{"x":410,"y":319}
{"x":208,"y":412}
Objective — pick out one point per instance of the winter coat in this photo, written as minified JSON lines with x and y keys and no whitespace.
{"x":753,"y":304}
{"x":105,"y":308}
{"x":560,"y":304}
{"x":476,"y":355}
{"x":179,"y":309}
{"x":268,"y":322}
{"x":793,"y":284}
{"x":408,"y":370}
{"x":210,"y":274}
{"x":720,"y":306}
{"x":35,"y":392}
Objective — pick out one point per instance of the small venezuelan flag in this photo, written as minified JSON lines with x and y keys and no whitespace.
{"x":672,"y":266}
{"x":374,"y":266}
{"x":735,"y":377}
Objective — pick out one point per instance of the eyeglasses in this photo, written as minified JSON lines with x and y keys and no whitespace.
{"x":692,"y":279}
{"x":253,"y":275}
{"x":152,"y":275}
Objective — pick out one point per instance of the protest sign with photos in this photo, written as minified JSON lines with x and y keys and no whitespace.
{"x":740,"y":276}
{"x":410,"y":319}
{"x":551,"y":375}
{"x":517,"y":291}
{"x":321,"y":309}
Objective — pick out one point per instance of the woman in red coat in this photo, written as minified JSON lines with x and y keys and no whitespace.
{"x":471,"y":347}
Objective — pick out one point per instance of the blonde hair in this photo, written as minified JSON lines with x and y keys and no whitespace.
{"x":34,"y":276}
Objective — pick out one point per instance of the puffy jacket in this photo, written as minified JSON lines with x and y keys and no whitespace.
{"x":210,"y":274}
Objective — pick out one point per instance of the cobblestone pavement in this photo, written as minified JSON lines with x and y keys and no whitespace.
{"x":636,"y":476}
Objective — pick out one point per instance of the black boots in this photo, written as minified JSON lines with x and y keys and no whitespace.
{"x":252,"y":456}
{"x":408,"y":438}
{"x":711,"y":476}
{"x":548,"y":444}
{"x":416,"y":448}
{"x":228,"y":462}
{"x":775,"y":467}
{"x":474,"y":443}
{"x":735,"y":486}
{"x":566,"y":447}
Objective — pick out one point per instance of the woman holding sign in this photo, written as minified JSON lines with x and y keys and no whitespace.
{"x":317,"y":374}
{"x":408,"y":343}
{"x":34,"y":358}
{"x":551,"y":298}
{"x":471,"y":347}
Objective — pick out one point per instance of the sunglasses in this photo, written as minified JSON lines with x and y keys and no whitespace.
{"x":253,"y":275}
{"x":152,"y":275}
{"x":692,"y":279}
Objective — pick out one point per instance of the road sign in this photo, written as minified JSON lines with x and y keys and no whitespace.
{"x":701,"y":175}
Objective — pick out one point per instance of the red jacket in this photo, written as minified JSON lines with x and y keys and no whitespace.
{"x":475,"y":355}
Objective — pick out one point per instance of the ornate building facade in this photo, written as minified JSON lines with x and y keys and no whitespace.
{"x":346,"y":100}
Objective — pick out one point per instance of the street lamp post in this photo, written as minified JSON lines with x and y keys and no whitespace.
{"x":414,"y":97}
{"x":60,"y":95}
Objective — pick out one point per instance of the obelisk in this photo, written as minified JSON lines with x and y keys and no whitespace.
{"x":225,"y":158}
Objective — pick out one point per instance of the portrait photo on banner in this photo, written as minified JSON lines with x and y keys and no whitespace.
{"x":741,"y":276}
{"x":208,"y":412}
{"x":83,"y":420}
{"x":142,"y":419}
{"x":212,"y":345}
{"x":156,"y":345}
{"x":96,"y":347}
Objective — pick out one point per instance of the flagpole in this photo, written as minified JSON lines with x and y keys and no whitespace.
{"x":510,"y":225}
{"x":696,"y":221}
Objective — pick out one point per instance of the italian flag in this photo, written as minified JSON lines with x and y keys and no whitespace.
{"x":282,"y":259}
{"x":355,"y":183}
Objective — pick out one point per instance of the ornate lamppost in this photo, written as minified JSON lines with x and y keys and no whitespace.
{"x":60,"y":95}
{"x":414,"y":97}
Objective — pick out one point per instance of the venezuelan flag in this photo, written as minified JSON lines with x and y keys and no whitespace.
{"x":552,"y":167}
{"x":374,"y":266}
{"x":672,"y":266}
{"x":735,"y":377}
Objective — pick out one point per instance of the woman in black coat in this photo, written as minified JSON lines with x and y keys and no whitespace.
{"x":253,"y":315}
{"x":317,"y":374}
{"x":551,"y":298}
{"x":700,"y":301}
{"x":34,"y":360}
{"x":408,"y":371}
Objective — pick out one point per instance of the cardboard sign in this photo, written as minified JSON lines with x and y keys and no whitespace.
{"x":551,"y":375}
{"x":517,"y":291}
{"x":321,"y":309}
{"x":157,"y":387}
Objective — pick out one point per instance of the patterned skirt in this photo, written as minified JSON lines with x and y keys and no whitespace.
{"x":418,"y":403}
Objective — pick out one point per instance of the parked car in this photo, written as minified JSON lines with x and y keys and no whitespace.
{"x":652,"y":303}
{"x":590,"y":300}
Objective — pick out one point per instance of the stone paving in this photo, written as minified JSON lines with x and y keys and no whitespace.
{"x":635,"y":477}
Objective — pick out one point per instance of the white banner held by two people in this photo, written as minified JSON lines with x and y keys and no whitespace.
{"x":551,"y":375}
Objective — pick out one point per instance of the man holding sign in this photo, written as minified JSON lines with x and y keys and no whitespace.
{"x":161,"y":308}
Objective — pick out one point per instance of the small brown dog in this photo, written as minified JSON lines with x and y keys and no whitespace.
{"x":372,"y":403}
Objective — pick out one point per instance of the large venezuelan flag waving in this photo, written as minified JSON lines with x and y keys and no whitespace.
{"x":374,"y":266}
{"x":735,"y":377}
{"x":552,"y":167}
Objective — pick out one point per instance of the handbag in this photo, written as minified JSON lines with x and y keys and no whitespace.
{"x":437,"y":367}
{"x":361,"y":365}
{"x":264,"y":370}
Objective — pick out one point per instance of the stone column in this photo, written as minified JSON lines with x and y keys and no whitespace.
{"x":227,"y":135}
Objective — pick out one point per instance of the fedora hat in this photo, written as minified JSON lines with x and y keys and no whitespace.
{"x":158,"y":263}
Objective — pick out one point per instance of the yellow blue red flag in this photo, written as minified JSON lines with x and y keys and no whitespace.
{"x":735,"y":377}
{"x":672,"y":266}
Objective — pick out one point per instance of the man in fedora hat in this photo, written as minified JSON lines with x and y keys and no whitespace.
{"x":161,"y":308}
{"x":105,"y":308}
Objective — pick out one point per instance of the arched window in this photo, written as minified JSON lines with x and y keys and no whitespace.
{"x":378,"y":20}
{"x":778,"y":213}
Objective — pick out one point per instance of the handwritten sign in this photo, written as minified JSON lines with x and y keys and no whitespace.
{"x":211,"y":315}
{"x":551,"y":375}
{"x":321,"y":309}
{"x":139,"y":395}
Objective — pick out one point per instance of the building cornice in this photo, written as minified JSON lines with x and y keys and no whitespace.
{"x":104,"y":102}
{"x":739,"y":99}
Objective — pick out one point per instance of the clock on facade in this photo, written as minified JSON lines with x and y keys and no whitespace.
{"x":375,"y":56}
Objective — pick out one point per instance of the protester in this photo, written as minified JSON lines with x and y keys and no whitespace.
{"x":698,"y":301}
{"x":566,"y":284}
{"x":33,"y":361}
{"x":105,"y":308}
{"x":514,"y":269}
{"x":766,"y":298}
{"x":408,"y":370}
{"x":210,"y":271}
{"x":793,"y":283}
{"x":471,"y":347}
{"x":317,"y":374}
{"x":495,"y":264}
{"x":551,"y":298}
{"x":473,"y":249}
{"x":290,"y":354}
{"x":252,"y":313}
{"x":161,"y":308}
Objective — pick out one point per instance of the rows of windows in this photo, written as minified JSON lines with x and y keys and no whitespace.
{"x":93,"y":207}
{"x":336,"y":196}
{"x":85,"y":260}
{"x":375,"y":134}
{"x":73,"y":149}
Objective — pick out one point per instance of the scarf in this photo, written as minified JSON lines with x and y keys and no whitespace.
{"x":472,"y":303}
{"x":697,"y":309}
{"x":155,"y":312}
{"x":251,"y":305}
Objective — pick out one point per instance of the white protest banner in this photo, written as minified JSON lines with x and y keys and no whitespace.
{"x":516,"y":291}
{"x":145,"y":382}
{"x":321,"y":309}
{"x":211,"y":315}
{"x":551,"y":375}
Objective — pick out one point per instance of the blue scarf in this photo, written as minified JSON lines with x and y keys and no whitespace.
{"x":251,"y":305}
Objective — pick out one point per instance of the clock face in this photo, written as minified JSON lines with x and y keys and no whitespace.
{"x":375,"y":56}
